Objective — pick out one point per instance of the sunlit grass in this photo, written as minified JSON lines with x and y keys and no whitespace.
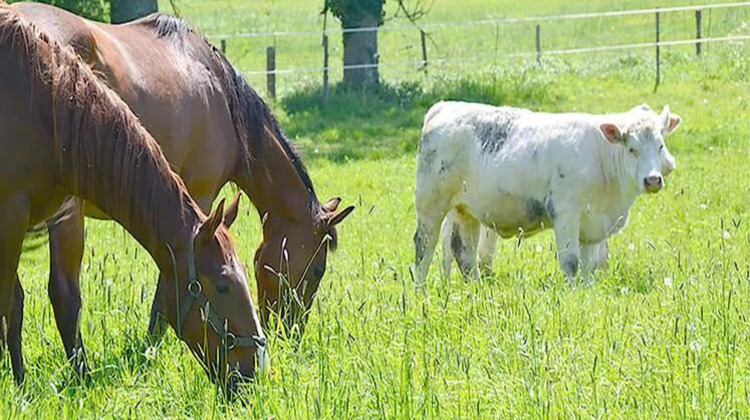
{"x":663,"y":332}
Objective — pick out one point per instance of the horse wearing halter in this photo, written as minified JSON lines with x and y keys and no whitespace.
{"x":195,"y":295}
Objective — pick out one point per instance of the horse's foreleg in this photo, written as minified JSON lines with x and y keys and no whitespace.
{"x":66,"y":253}
{"x":157,"y":324}
{"x":15,"y":326}
{"x":14,"y":219}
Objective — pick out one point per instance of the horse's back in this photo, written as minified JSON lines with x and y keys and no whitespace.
{"x":167,"y":74}
{"x":63,"y":26}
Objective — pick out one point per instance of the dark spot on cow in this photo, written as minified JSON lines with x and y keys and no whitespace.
{"x":550,"y":208}
{"x":457,"y":245}
{"x":418,"y":246}
{"x":444,"y":165}
{"x":427,"y":160}
{"x":535,"y":210}
{"x":492,"y":129}
{"x":570,"y":267}
{"x":459,"y":252}
{"x":560,"y":173}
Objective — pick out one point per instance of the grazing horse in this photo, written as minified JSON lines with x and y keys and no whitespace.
{"x":518,"y":172}
{"x":65,"y":133}
{"x":213,"y":128}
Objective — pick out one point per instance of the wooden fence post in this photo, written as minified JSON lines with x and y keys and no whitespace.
{"x":658,"y":56}
{"x":538,"y":44}
{"x":424,"y":50}
{"x":271,"y":72}
{"x":325,"y":68}
{"x":223,"y":46}
{"x":698,"y":16}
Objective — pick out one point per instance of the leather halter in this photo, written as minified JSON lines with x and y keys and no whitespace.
{"x":195,"y":295}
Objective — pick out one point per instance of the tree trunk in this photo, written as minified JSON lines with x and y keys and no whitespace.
{"x":361,"y":49}
{"x":126,"y":10}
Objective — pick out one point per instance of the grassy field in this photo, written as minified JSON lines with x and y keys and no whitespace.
{"x":663,"y":332}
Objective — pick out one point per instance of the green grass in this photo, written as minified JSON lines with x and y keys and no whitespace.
{"x":663,"y":332}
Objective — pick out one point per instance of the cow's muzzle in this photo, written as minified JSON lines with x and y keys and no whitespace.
{"x":653,"y":183}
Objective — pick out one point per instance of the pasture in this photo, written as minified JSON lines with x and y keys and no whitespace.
{"x":663,"y":332}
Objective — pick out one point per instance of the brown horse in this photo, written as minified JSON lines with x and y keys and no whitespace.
{"x":65,"y":133}
{"x":213,"y":128}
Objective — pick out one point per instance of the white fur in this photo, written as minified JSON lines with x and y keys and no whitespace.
{"x":559,"y":167}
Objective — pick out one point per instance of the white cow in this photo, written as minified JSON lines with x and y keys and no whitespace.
{"x":518,"y":172}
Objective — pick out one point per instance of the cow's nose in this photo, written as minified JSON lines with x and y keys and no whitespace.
{"x":653,"y":183}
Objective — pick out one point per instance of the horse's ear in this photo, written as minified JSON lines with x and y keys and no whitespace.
{"x":230,"y":215}
{"x":335,"y":219}
{"x":331,"y":205}
{"x":209,"y":226}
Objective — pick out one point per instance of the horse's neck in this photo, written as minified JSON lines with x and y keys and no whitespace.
{"x":128,"y":178}
{"x":274,"y":186}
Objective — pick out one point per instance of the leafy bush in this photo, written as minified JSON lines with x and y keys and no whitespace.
{"x":90,"y":9}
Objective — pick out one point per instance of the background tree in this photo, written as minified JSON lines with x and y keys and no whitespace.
{"x":361,"y":47}
{"x":90,"y":9}
{"x":127,"y":10}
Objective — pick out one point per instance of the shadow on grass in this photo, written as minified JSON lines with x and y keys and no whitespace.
{"x":385,"y":120}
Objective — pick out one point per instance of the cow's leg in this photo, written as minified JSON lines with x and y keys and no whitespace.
{"x":567,"y":231}
{"x":450,"y":220}
{"x":14,"y":219}
{"x":425,"y":240}
{"x":590,"y":260}
{"x":487,"y":249}
{"x":464,"y":240}
{"x":603,"y":255}
{"x":157,"y":323}
{"x":66,"y":252}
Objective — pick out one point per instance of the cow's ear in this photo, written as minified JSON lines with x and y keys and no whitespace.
{"x":612,"y":133}
{"x":670,"y":121}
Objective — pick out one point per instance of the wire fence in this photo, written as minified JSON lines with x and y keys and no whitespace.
{"x":504,"y":21}
{"x":303,"y":56}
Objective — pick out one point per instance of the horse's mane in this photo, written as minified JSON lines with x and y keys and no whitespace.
{"x":99,"y":142}
{"x":250,"y":114}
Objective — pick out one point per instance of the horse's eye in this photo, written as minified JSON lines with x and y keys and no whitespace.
{"x":222,"y":287}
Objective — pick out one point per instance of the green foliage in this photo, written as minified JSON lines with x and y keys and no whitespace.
{"x":352,"y":12}
{"x":90,"y":9}
{"x":384,"y":120}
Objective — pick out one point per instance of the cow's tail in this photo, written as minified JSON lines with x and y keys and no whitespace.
{"x":434,"y":110}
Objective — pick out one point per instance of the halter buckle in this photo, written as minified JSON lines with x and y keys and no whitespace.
{"x":230,"y":341}
{"x":194,"y":288}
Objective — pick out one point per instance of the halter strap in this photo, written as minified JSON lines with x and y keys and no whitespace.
{"x":195,"y":295}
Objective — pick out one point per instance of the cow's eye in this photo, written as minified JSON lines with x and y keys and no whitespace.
{"x":661,"y":148}
{"x":633,"y":151}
